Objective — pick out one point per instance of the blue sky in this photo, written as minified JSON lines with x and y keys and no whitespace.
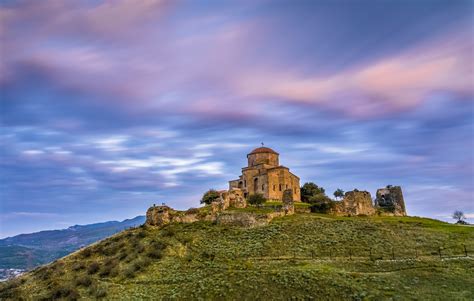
{"x":110,"y":106}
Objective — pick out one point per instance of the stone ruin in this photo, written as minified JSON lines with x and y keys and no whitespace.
{"x":162,"y":215}
{"x":234,"y":198}
{"x":355,"y":203}
{"x":229,"y":198}
{"x":390,"y":201}
{"x":288,"y":205}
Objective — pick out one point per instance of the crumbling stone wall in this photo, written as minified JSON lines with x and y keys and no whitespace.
{"x":288,"y":205}
{"x":390,"y":200}
{"x":162,"y":215}
{"x":355,"y":203}
{"x":233,"y":198}
{"x":158,"y":215}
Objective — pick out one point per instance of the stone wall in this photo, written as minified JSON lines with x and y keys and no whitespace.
{"x":355,"y":203}
{"x":389,"y":200}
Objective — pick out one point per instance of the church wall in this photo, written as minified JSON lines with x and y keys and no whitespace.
{"x":279,"y":180}
{"x":266,"y":158}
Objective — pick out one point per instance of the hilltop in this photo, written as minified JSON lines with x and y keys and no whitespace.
{"x":295,"y":256}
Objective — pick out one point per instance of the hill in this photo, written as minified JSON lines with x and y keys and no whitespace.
{"x":26,"y":251}
{"x":293,"y":257}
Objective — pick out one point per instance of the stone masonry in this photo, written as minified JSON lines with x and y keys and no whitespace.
{"x":266,"y":176}
{"x":390,"y":200}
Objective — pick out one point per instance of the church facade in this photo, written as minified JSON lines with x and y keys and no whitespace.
{"x":265,"y":175}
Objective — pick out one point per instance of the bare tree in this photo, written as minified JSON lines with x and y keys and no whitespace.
{"x":459,"y":216}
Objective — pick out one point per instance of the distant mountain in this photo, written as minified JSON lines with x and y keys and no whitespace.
{"x":26,"y":251}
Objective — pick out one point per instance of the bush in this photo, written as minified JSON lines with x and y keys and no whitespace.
{"x":77,"y":266}
{"x":322,"y":205}
{"x":210,"y":196}
{"x":65,"y":291}
{"x":141,"y":233}
{"x":109,"y":268}
{"x":192,"y":211}
{"x":84,"y":280}
{"x":93,"y":268}
{"x":129,"y":272}
{"x":97,"y":291}
{"x":257,"y":199}
{"x":168,"y":231}
{"x":155,"y":250}
{"x":86,"y":253}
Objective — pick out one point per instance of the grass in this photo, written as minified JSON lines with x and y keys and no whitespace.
{"x":304,"y":256}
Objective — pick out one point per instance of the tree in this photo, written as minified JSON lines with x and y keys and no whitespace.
{"x":210,"y":196}
{"x":339,"y":193}
{"x":459,"y":217}
{"x":309,"y":190}
{"x":257,"y":199}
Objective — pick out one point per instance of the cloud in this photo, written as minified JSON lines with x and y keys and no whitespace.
{"x":393,"y":83}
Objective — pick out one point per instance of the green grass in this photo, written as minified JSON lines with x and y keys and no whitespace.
{"x":302,"y":256}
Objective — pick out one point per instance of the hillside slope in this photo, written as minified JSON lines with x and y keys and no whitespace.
{"x":26,"y":251}
{"x":299,"y":256}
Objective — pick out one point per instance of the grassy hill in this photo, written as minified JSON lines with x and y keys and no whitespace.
{"x":26,"y":251}
{"x":304,"y":256}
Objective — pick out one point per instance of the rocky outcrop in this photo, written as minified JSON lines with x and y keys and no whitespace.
{"x":389,"y":200}
{"x":355,"y":203}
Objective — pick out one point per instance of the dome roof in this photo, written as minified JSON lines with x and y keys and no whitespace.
{"x":262,"y":149}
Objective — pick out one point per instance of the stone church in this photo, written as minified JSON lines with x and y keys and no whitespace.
{"x":266,"y":176}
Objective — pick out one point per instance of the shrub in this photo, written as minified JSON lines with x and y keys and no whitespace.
{"x":154,"y":253}
{"x":208,"y":256}
{"x":210,"y":196}
{"x":322,"y":205}
{"x":129,"y":272}
{"x":93,"y":268}
{"x":141,"y":233}
{"x":109,"y":268}
{"x":86,"y":253}
{"x":77,"y":266}
{"x":65,"y":291}
{"x":192,"y":211}
{"x":168,"y":231}
{"x":257,"y":199}
{"x":140,"y":248}
{"x":84,"y":280}
{"x":97,"y":291}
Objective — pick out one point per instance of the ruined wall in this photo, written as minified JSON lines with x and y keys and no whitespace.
{"x":390,"y":200}
{"x":355,"y":203}
{"x":233,"y":198}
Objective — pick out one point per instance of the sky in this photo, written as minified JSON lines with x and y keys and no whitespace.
{"x":110,"y":106}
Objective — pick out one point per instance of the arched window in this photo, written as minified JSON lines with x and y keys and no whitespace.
{"x":280,"y":187}
{"x":263,"y":187}
{"x":274,"y":187}
{"x":255,"y":185}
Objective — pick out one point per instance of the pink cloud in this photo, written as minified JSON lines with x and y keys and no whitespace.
{"x":393,"y":83}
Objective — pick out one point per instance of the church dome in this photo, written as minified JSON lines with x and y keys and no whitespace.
{"x":262,"y":149}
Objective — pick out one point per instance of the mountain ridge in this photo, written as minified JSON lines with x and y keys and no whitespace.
{"x":26,"y":251}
